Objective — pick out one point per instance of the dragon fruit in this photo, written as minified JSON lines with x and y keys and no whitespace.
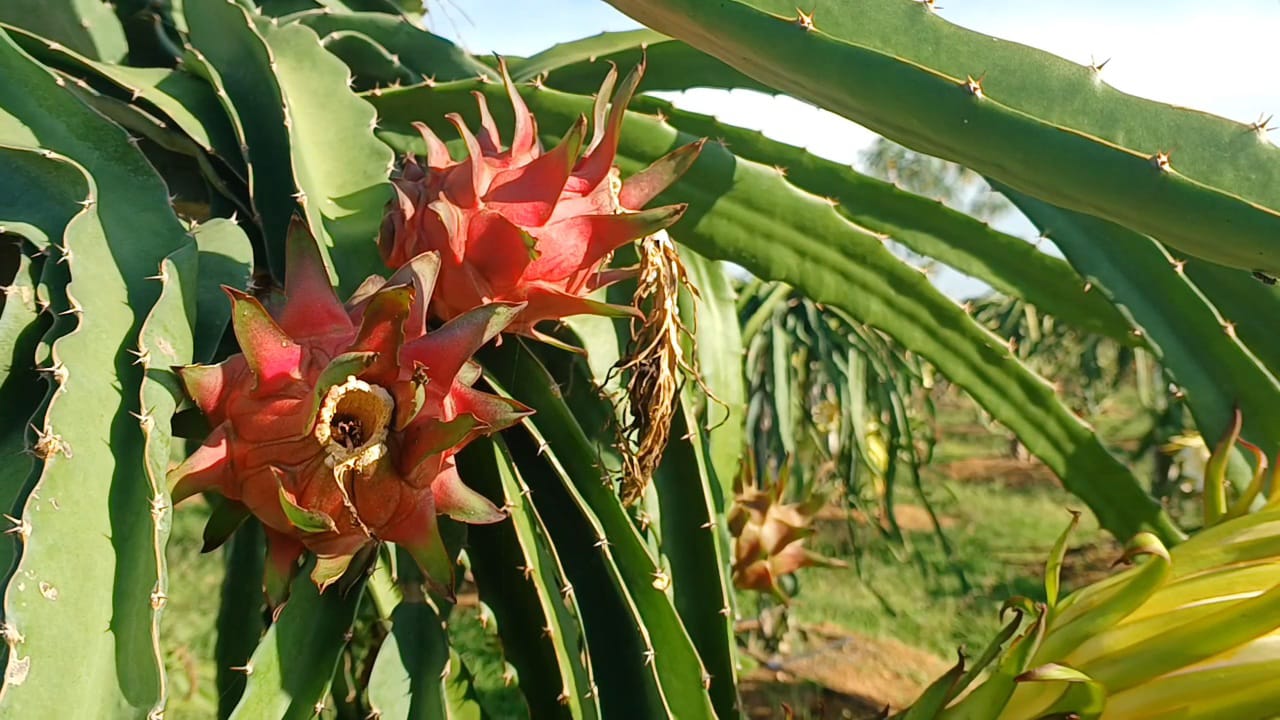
{"x":769,"y":534}
{"x":337,"y":425}
{"x":523,"y":225}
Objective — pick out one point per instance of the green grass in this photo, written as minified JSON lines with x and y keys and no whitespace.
{"x":188,"y":631}
{"x":1000,"y":536}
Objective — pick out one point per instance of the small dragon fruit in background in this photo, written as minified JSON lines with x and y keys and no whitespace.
{"x":523,"y":225}
{"x":337,"y":425}
{"x":769,"y":534}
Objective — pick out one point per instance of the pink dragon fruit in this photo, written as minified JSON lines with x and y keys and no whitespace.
{"x":523,"y":225}
{"x":337,"y":425}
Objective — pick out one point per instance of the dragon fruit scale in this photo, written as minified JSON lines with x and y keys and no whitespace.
{"x":520,"y":224}
{"x":337,"y":425}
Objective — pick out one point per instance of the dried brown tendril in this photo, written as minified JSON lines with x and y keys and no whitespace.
{"x":655,"y":363}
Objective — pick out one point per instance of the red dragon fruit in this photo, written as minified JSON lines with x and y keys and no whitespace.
{"x":337,"y":425}
{"x":523,"y":225}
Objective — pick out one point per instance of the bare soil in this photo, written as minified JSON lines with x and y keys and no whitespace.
{"x":911,"y":518}
{"x":1010,"y":472}
{"x":841,"y":675}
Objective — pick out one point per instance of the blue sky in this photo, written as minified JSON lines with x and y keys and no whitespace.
{"x":1212,"y":55}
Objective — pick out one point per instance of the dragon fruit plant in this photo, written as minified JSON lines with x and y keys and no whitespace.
{"x":337,"y":426}
{"x":430,"y":439}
